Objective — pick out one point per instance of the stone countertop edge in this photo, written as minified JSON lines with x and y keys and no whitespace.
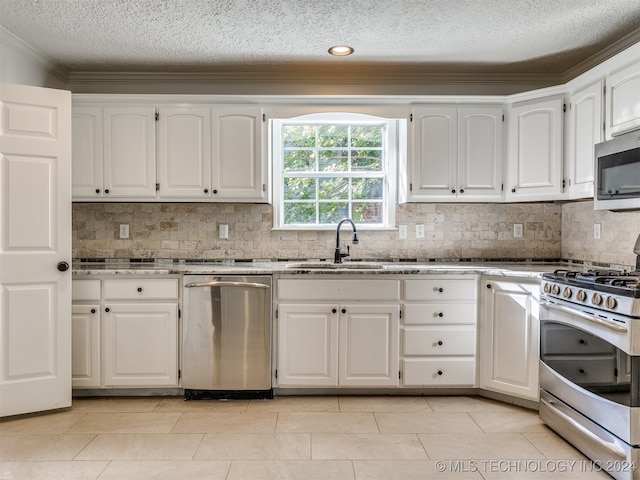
{"x":505,"y":269}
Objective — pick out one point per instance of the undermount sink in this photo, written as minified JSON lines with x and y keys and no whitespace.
{"x":337,"y":266}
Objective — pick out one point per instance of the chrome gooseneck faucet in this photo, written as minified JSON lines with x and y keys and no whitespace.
{"x":337,"y":258}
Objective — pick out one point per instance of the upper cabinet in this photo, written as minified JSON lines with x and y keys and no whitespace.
{"x":585,"y":130}
{"x":204,"y":153}
{"x":456,"y":154}
{"x":623,"y":100}
{"x":534,"y":167}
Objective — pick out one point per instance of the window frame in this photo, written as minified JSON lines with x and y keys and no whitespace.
{"x":392,"y":152}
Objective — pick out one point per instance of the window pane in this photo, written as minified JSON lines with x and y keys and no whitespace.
{"x":367,"y":212}
{"x":299,"y":213}
{"x":366,"y":189}
{"x":333,"y":136}
{"x":333,"y":160}
{"x":333,"y":189}
{"x":366,"y":136}
{"x":299,"y":136}
{"x":333,"y":212}
{"x":299,"y":188}
{"x":366,"y":160}
{"x":299,"y":161}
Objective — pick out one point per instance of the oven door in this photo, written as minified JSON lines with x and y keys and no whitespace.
{"x":582,"y":366}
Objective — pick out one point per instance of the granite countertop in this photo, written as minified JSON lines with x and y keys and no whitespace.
{"x":313,"y":267}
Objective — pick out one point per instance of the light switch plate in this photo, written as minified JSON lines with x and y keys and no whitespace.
{"x":223,"y":231}
{"x":402,"y":232}
{"x":597,"y":231}
{"x":124,"y":230}
{"x":517,"y":230}
{"x":420,"y":230}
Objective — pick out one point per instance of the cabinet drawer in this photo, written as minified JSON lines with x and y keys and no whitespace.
{"x":141,"y":288}
{"x":82,"y":290}
{"x":441,"y":289}
{"x":338,"y":290}
{"x":436,"y":341}
{"x":439,"y":313}
{"x":439,"y":372}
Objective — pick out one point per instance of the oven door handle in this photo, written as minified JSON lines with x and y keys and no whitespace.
{"x":591,"y":318}
{"x":613,"y":449}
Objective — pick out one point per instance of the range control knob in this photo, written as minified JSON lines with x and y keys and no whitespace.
{"x":581,"y":295}
{"x":555,"y":289}
{"x":596,"y":299}
{"x":566,"y":293}
{"x":547,"y":288}
{"x":611,"y":303}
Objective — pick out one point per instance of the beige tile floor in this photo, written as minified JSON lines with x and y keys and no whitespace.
{"x":300,"y":438}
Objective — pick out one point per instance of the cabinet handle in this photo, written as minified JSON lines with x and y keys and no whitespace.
{"x":334,"y":310}
{"x":93,"y":310}
{"x":440,"y":372}
{"x":97,"y":190}
{"x":106,"y":309}
{"x":139,"y":289}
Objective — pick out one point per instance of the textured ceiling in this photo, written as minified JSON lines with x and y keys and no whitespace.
{"x":436,"y":36}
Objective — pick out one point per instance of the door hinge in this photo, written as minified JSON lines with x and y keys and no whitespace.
{"x":411,"y":117}
{"x":503,"y":117}
{"x":502,"y":187}
{"x":157,"y":116}
{"x":264,"y":187}
{"x":276,"y":373}
{"x":400,"y":314}
{"x":564,"y":107}
{"x":564,"y":183}
{"x":179,"y":313}
{"x":264,"y":117}
{"x":411,"y":187}
{"x":157,"y":187}
{"x":615,"y":372}
{"x":399,"y":374}
{"x":179,"y":374}
{"x":276,"y":313}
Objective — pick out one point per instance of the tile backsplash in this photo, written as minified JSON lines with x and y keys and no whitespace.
{"x":452,"y":231}
{"x":190,"y":231}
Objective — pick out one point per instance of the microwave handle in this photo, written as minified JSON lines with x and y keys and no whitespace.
{"x":584,"y":316}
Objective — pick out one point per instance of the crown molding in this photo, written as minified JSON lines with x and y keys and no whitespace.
{"x":22,"y":48}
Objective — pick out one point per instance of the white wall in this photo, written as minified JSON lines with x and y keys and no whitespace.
{"x":20,"y":63}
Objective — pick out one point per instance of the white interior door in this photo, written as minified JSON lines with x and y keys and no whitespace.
{"x":35,"y":245}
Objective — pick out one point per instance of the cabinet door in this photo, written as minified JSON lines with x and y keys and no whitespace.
{"x":480,"y":147}
{"x":434,"y":158}
{"x":369,"y":345}
{"x":239,"y":158}
{"x":535,"y":151}
{"x":307,"y":345}
{"x":184,"y":152}
{"x":86,"y":152}
{"x":510,"y":338}
{"x":585,"y":130}
{"x":623,"y":100}
{"x":129,"y":152}
{"x":85,"y":345}
{"x":140,"y":345}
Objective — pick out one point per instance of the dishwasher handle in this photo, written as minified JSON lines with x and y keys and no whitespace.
{"x":227,"y":284}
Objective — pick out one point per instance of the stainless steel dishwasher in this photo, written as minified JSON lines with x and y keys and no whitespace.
{"x":226,"y":346}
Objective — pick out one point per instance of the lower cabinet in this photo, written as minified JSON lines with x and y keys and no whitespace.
{"x":352,"y":341}
{"x":125,"y":332}
{"x":509,"y":337}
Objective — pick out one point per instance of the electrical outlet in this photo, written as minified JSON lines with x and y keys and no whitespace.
{"x":124,"y":230}
{"x":597,"y":231}
{"x":420,"y":230}
{"x":402,"y":232}
{"x":223,"y":231}
{"x":517,"y":230}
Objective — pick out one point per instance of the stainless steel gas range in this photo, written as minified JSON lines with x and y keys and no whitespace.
{"x":590,"y":364}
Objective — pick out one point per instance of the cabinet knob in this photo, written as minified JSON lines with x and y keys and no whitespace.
{"x":107,"y":309}
{"x":441,"y":314}
{"x":440,"y":372}
{"x":93,"y":310}
{"x":462,"y":190}
{"x":215,"y":191}
{"x":440,"y":289}
{"x":206,"y":190}
{"x":513,"y":190}
{"x":440,"y":343}
{"x":581,"y":371}
{"x":139,"y":289}
{"x":344,"y":310}
{"x":63,"y":266}
{"x":334,"y":310}
{"x":453,"y":190}
{"x":97,"y":190}
{"x":106,"y":190}
{"x":581,"y":341}
{"x":488,"y":285}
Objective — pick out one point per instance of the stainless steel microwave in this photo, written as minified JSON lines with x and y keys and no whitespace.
{"x":617,"y":173}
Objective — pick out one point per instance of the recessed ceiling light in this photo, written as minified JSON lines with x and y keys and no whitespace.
{"x":341,"y":50}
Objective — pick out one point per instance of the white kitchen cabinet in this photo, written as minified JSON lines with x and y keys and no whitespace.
{"x":509,"y":340}
{"x":125,"y":332}
{"x":349,"y":341}
{"x":87,"y":153}
{"x":534,"y":165}
{"x":85,"y":334}
{"x":239,"y":160}
{"x":457,"y":153}
{"x":184,"y":152}
{"x":585,"y":130}
{"x":623,"y":100}
{"x":129,"y":152}
{"x":439,"y":333}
